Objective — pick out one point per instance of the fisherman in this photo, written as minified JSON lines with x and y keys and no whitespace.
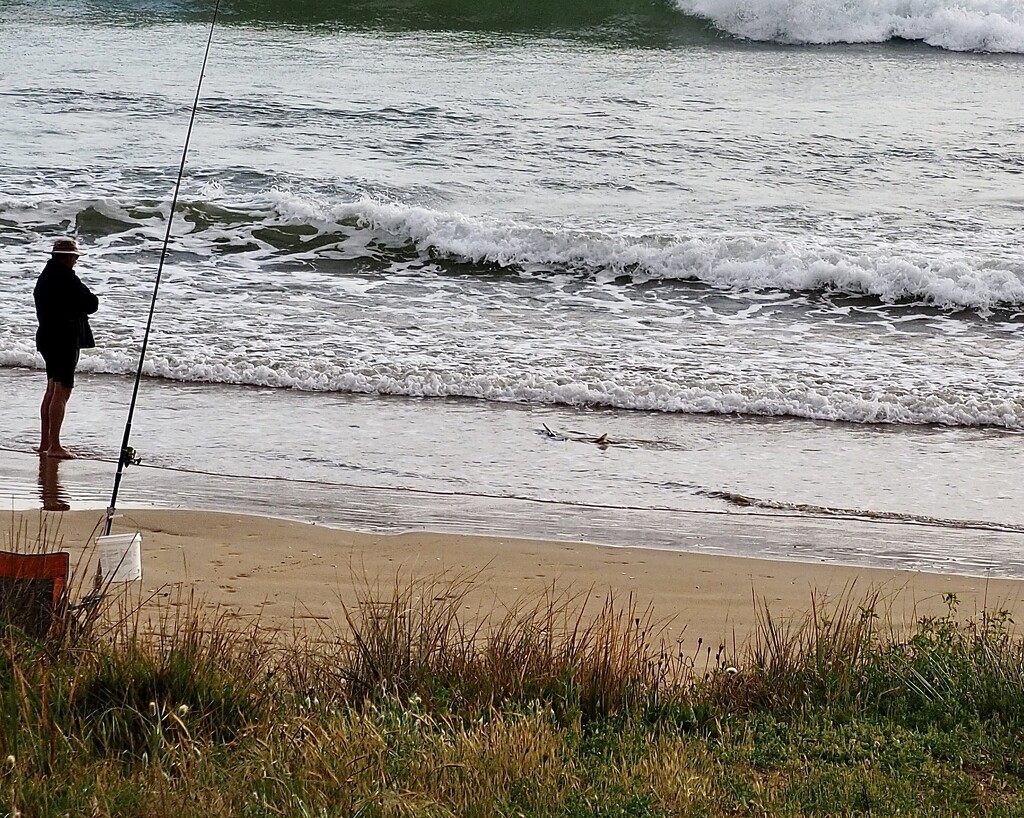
{"x":63,"y":307}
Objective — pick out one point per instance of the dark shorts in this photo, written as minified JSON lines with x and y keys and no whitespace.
{"x":60,"y":365}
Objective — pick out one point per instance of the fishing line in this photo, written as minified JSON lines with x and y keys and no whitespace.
{"x":127,"y":453}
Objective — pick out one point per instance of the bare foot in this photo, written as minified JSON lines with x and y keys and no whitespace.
{"x":61,"y":453}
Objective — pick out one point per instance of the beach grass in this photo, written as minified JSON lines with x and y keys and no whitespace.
{"x":541,"y":709}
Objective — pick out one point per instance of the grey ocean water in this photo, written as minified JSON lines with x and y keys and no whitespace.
{"x":780,"y":267}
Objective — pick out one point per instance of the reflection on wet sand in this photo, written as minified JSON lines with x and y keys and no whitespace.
{"x":51,"y":492}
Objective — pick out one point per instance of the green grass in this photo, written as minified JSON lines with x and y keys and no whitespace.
{"x":543,"y":710}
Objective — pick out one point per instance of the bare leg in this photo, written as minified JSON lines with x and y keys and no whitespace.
{"x":44,"y":417}
{"x":58,"y":404}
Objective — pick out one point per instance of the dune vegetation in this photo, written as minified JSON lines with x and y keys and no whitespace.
{"x":545,"y":709}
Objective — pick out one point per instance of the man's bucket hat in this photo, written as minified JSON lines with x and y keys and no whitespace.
{"x":66,"y":246}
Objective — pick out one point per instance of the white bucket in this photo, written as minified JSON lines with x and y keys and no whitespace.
{"x":120,"y":557}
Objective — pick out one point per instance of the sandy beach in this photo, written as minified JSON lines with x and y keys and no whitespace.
{"x":298,"y":576}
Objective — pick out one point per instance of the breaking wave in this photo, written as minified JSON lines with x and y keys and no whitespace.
{"x":954,"y":25}
{"x":279,"y":227}
{"x":995,"y":26}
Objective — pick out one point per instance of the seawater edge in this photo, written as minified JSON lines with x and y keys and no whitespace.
{"x":191,"y":464}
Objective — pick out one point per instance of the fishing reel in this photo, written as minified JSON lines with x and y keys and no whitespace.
{"x":129,"y":458}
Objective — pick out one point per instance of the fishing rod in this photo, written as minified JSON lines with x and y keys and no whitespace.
{"x":127,"y":456}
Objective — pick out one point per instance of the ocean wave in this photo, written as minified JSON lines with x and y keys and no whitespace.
{"x":744,"y":261}
{"x":954,"y":25}
{"x":995,"y":26}
{"x":281,"y":227}
{"x":654,"y":21}
{"x":785,"y":398}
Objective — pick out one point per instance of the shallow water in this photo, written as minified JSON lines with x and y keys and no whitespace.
{"x":780,"y":489}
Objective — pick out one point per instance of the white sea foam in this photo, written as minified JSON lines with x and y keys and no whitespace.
{"x":945,"y":278}
{"x":955,"y":25}
{"x":790,"y":395}
{"x":986,"y":275}
{"x":566,"y":336}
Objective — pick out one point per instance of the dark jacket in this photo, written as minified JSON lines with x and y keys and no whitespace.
{"x":63,"y":304}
